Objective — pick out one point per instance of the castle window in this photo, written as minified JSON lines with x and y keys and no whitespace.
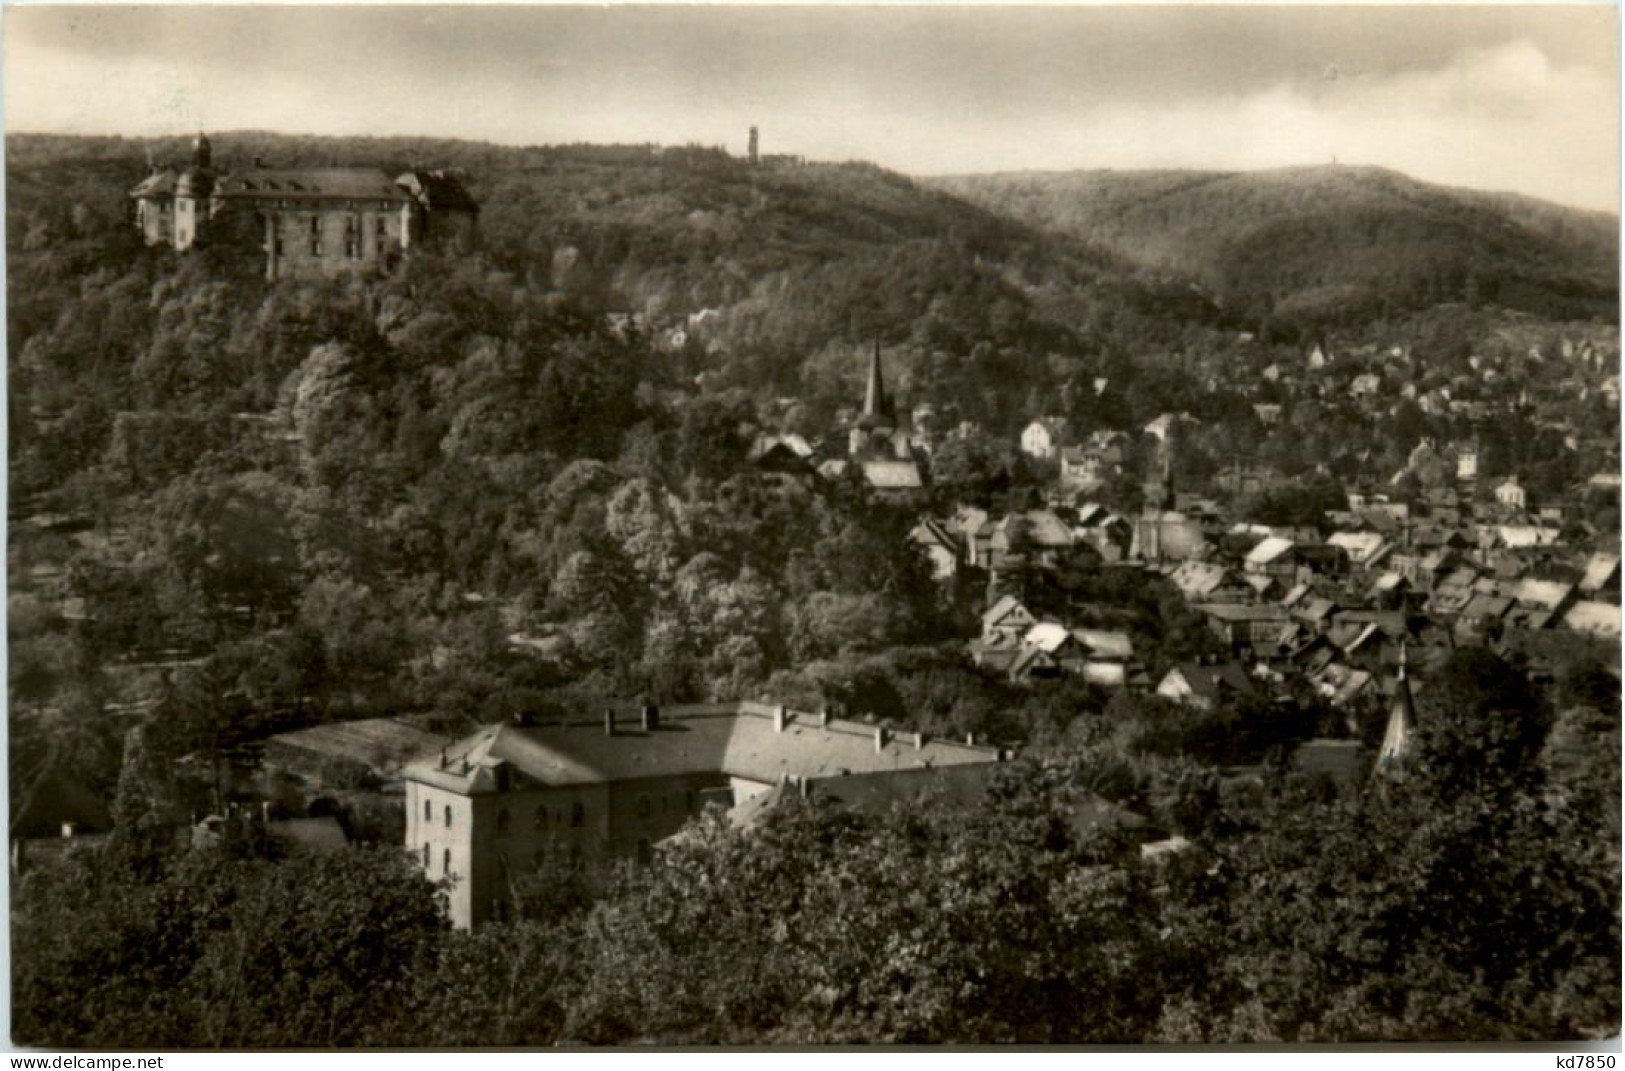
{"x":352,"y":238}
{"x":428,"y":810}
{"x":448,"y":816}
{"x":425,"y":856}
{"x":503,"y":822}
{"x":445,"y":861}
{"x":382,"y":236}
{"x":541,"y":817}
{"x":578,"y":814}
{"x":315,"y":236}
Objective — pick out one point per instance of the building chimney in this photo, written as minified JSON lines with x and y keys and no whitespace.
{"x":68,"y":830}
{"x":609,"y":721}
{"x":970,"y":739}
{"x":803,"y":786}
{"x":781,"y":718}
{"x":651,"y":717}
{"x":919,"y":741}
{"x":443,"y":760}
{"x":823,"y":718}
{"x":880,"y":739}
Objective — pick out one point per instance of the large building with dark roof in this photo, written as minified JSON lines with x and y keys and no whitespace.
{"x":513,"y":804}
{"x":309,"y":221}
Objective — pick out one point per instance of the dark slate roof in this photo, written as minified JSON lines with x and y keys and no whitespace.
{"x":438,"y":190}
{"x":311,"y":184}
{"x":1206,"y":681}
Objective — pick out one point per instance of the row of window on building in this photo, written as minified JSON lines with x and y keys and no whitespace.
{"x":577,"y":813}
{"x":352,"y":235}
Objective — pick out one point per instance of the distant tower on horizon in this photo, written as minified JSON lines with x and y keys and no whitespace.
{"x":755,"y":156}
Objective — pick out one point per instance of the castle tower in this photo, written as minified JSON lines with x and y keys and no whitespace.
{"x":1399,"y":741}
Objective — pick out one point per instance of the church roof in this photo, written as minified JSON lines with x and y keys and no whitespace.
{"x":878,"y":411}
{"x":1398,"y":741}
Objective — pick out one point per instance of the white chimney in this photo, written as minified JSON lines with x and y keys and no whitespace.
{"x":68,"y":830}
{"x":781,"y":717}
{"x":919,"y":741}
{"x":880,"y":739}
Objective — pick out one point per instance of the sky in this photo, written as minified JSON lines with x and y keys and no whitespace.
{"x":1495,"y":97}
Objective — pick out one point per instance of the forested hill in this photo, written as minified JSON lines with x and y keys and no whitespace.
{"x":778,"y":275}
{"x":1311,"y":239}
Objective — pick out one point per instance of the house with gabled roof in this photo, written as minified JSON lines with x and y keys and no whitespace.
{"x":1044,"y":437}
{"x":1201,"y":685}
{"x":1007,"y":619}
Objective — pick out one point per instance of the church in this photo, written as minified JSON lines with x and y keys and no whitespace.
{"x":311,"y":221}
{"x":880,"y":445}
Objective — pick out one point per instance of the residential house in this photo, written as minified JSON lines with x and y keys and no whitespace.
{"x":1510,"y":493}
{"x":1245,"y":626}
{"x":1275,"y":557}
{"x":1601,"y":576}
{"x":1201,"y":685}
{"x":940,"y":545}
{"x":1043,"y":438}
{"x":1006,"y":621}
{"x":1598,"y":619}
{"x":1210,"y":582}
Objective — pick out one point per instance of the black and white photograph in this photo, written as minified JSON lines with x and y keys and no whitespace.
{"x":655,"y":526}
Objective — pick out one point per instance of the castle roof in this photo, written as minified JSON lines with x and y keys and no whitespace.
{"x":310,"y":184}
{"x":437,"y":190}
{"x":157,"y":184}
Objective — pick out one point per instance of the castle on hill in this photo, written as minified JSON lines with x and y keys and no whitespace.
{"x":314,"y":221}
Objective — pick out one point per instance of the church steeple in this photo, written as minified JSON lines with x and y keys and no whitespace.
{"x":1398,"y":742}
{"x":877,"y":406}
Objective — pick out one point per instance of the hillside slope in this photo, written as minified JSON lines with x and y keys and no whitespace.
{"x":771,"y":278}
{"x":1304,"y":240}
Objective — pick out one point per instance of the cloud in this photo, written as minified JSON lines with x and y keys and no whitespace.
{"x":1504,"y":117}
{"x":1499,"y":107}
